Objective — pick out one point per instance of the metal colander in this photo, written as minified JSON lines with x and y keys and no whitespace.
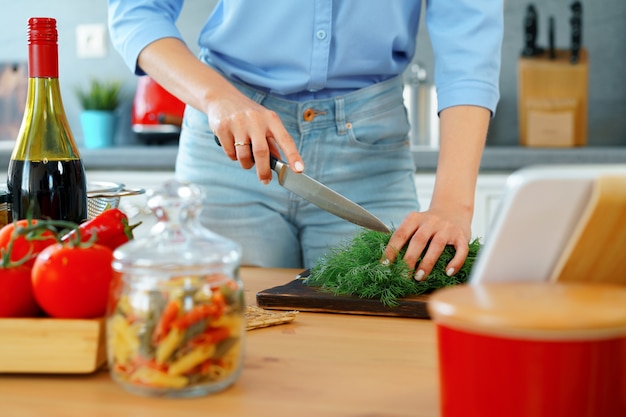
{"x":102,"y":195}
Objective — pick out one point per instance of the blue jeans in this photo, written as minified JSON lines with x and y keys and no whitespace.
{"x":355,"y":144}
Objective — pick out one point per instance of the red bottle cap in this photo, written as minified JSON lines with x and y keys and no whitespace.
{"x":43,"y":52}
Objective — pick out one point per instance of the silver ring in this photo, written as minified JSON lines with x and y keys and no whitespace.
{"x":241,"y":143}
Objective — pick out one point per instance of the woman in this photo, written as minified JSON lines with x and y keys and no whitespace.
{"x":319,"y":83}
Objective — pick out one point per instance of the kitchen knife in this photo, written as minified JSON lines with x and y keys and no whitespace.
{"x":317,"y":193}
{"x":576,"y":28}
{"x":325,"y":198}
{"x":530,"y":32}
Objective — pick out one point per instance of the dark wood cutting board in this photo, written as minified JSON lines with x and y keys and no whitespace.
{"x":296,"y":295}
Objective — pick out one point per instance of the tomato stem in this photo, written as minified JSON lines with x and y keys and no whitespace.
{"x":35,"y":231}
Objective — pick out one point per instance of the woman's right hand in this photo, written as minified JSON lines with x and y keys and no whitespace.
{"x":247,"y":131}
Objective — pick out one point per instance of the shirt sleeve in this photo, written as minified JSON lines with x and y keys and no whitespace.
{"x":134,"y":24}
{"x":466,"y":37}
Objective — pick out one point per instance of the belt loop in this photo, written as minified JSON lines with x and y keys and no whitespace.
{"x":340,"y":116}
{"x":259,"y":96}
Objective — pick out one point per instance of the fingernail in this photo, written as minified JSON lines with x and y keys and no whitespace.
{"x":419,"y":275}
{"x":299,"y":166}
{"x":450,"y":272}
{"x":386,"y":262}
{"x":265,"y":182}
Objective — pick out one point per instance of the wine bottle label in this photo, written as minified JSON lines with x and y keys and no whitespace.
{"x":43,"y":54}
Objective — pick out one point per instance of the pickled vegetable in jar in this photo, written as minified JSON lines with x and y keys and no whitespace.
{"x":175,"y":322}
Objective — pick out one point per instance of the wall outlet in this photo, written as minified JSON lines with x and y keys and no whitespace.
{"x":91,"y":41}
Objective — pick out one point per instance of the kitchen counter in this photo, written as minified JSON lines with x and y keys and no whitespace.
{"x":319,"y":365}
{"x":495,"y":158}
{"x":511,"y":158}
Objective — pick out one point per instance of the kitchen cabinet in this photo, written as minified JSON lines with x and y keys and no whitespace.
{"x":489,"y":190}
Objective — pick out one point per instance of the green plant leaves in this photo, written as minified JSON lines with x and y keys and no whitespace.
{"x":355,"y":268}
{"x":100,"y":95}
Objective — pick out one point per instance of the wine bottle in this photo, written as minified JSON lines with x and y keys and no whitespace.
{"x":46,"y":177}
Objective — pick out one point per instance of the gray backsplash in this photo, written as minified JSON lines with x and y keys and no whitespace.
{"x":604,"y":36}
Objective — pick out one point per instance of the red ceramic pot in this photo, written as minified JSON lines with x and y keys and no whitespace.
{"x":531,"y":350}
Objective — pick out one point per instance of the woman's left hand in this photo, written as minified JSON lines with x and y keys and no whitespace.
{"x":431,"y":230}
{"x":463,"y":130}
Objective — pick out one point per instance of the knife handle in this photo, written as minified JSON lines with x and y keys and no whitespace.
{"x":530,"y":32}
{"x":576,"y":30}
{"x":273,"y":162}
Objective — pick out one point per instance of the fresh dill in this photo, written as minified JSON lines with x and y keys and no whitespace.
{"x":355,"y":268}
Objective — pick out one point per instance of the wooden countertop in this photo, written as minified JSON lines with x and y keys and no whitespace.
{"x":319,"y":365}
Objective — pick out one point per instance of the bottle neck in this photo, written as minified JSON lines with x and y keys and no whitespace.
{"x":45,"y":132}
{"x":43,"y":61}
{"x":43,"y":50}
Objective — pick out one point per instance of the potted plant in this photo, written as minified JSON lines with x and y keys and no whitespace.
{"x":98,"y":118}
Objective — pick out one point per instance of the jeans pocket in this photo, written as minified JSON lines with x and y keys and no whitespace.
{"x":196,"y":120}
{"x":383,"y":130}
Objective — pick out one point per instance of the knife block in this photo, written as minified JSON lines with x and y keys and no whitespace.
{"x":552,"y":100}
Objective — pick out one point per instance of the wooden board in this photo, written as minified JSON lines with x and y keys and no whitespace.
{"x":595,"y":252}
{"x":46,"y":345}
{"x":296,"y":295}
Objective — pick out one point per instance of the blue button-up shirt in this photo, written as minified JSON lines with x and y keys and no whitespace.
{"x":301,"y":49}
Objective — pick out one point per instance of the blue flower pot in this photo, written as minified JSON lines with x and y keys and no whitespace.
{"x":98,"y":128}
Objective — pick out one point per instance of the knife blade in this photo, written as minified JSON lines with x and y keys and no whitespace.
{"x":317,"y":193}
{"x":324,"y":197}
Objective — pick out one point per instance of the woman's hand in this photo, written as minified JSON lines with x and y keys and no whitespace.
{"x":432,"y":229}
{"x":247,"y":131}
{"x":463,"y":130}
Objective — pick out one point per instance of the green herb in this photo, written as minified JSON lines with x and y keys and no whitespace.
{"x":100,"y":95}
{"x":355,"y":268}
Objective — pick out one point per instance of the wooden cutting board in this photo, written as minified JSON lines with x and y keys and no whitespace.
{"x":296,"y":295}
{"x":595,"y":252}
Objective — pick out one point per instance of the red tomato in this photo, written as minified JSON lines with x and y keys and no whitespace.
{"x":16,"y":293}
{"x":73,"y":282}
{"x":22,"y":245}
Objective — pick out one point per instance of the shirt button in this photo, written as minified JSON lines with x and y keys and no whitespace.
{"x":321,"y":34}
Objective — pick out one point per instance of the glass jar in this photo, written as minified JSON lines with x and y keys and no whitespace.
{"x":175,"y":321}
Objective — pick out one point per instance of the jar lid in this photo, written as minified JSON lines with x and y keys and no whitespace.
{"x":178,"y":243}
{"x":189,"y":257}
{"x":533,"y":310}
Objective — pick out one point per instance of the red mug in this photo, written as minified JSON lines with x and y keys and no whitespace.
{"x":531,"y":350}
